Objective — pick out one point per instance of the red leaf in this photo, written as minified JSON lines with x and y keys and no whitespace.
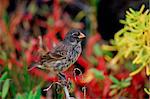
{"x":78,"y":80}
{"x":122,"y":75}
{"x":56,"y":10}
{"x":2,"y":62}
{"x":17,"y":45}
{"x":136,"y":84}
{"x":138,"y":80}
{"x":83,"y":62}
{"x":43,"y":75}
{"x":90,"y":43}
{"x":3,"y":26}
{"x":17,"y":63}
{"x":132,"y":91}
{"x":101,"y":64}
{"x":107,"y":83}
{"x":41,"y":23}
{"x":94,"y":89}
{"x":29,"y":57}
{"x":27,"y":17}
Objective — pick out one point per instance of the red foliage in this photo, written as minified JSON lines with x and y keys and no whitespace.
{"x":56,"y":10}
{"x":95,"y":88}
{"x":15,"y":62}
{"x":29,"y":56}
{"x":90,"y":43}
{"x":122,"y":75}
{"x":101,"y":65}
{"x":43,"y":75}
{"x":83,"y":62}
{"x":107,"y":83}
{"x":136,"y":84}
{"x":2,"y":62}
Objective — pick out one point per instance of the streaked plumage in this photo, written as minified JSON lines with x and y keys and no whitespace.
{"x":64,"y":54}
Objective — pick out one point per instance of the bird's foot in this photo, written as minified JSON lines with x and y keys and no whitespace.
{"x":66,"y":83}
{"x":63,"y":80}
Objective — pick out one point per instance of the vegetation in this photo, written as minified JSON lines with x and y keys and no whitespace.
{"x":97,"y":73}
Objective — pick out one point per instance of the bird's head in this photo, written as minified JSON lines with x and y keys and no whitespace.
{"x":74,"y":36}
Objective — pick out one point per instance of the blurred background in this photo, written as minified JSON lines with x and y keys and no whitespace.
{"x":23,"y":21}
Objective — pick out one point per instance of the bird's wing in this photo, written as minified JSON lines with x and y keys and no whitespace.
{"x":58,"y":53}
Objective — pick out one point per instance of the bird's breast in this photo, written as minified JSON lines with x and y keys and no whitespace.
{"x":75,"y":53}
{"x":70,"y":59}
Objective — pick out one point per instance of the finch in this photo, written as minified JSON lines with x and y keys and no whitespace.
{"x":64,"y":54}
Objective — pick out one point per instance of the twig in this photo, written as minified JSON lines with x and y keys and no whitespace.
{"x":83,"y":88}
{"x":77,"y":70}
{"x":74,"y":72}
{"x":66,"y":92}
{"x":63,"y":82}
{"x":40,"y":41}
{"x":64,"y":87}
{"x":42,"y":48}
{"x":52,"y":85}
{"x":84,"y":92}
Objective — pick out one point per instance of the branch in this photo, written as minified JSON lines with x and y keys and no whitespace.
{"x":66,"y":92}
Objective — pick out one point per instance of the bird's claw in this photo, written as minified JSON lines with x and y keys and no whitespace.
{"x":62,"y":81}
{"x":66,"y":83}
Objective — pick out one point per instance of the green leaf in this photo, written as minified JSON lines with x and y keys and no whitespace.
{"x":98,"y":74}
{"x":128,"y":79}
{"x":6,"y":18}
{"x":93,"y":60}
{"x":114,"y":80}
{"x":124,"y":84}
{"x":97,"y":50}
{"x":30,"y":95}
{"x":130,"y":66}
{"x":50,"y":21}
{"x":0,"y":93}
{"x":113,"y":86}
{"x":94,"y":2}
{"x":112,"y":92}
{"x":3,"y":55}
{"x":60,"y":96}
{"x":37,"y":95}
{"x":4,"y":76}
{"x":110,"y":54}
{"x":80,"y":15}
{"x":27,"y":80}
{"x":32,"y":8}
{"x":19,"y":96}
{"x":13,"y":89}
{"x":5,"y":88}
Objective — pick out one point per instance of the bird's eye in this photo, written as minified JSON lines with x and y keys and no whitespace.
{"x":76,"y":34}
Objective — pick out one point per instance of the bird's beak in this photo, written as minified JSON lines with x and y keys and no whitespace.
{"x":81,"y":36}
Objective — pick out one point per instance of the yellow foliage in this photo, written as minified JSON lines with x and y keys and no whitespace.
{"x":133,"y":41}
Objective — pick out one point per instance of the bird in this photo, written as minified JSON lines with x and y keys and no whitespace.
{"x":64,"y":54}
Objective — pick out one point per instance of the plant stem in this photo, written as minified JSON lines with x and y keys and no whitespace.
{"x":66,"y":92}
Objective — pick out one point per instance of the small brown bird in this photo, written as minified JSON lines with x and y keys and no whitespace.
{"x":64,"y":54}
